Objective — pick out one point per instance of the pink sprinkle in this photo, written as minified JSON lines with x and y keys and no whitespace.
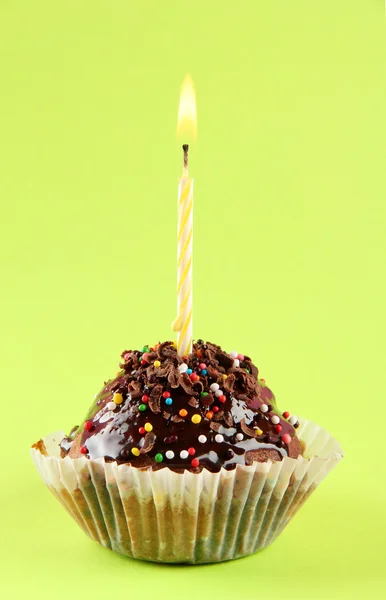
{"x":286,"y":438}
{"x":126,"y":356}
{"x":202,"y":366}
{"x":240,"y":356}
{"x":145,"y":356}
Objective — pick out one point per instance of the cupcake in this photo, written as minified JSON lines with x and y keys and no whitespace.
{"x":185,"y":459}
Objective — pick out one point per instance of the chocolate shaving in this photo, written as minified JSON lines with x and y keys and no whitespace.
{"x":215,"y":426}
{"x":166,"y":415}
{"x":173,"y":378}
{"x":247,"y":430}
{"x":229,"y":383}
{"x":177,"y":419}
{"x":229,"y":420}
{"x":155,"y":399}
{"x":218,"y":416}
{"x":186,"y":384}
{"x":198,"y":387}
{"x":193,"y":402}
{"x":148,"y":443}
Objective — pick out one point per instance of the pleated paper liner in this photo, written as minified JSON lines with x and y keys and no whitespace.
{"x":193,"y":518}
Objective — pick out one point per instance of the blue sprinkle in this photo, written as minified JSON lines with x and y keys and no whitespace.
{"x":189,"y":371}
{"x":168,"y":401}
{"x":204,"y":372}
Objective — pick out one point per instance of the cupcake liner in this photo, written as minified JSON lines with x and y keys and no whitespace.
{"x":170,"y":517}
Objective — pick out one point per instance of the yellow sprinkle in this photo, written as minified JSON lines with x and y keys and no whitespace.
{"x":118,"y":398}
{"x":135,"y":451}
{"x":258,"y":431}
{"x":196,"y":419}
{"x":224,"y":376}
{"x":157,"y":363}
{"x":148,"y":426}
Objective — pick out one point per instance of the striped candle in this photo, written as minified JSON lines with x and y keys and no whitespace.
{"x":183,"y":323}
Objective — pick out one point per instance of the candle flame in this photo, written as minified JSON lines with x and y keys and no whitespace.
{"x":187,"y":115}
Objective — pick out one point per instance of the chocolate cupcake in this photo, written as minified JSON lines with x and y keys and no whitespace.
{"x":185,"y":459}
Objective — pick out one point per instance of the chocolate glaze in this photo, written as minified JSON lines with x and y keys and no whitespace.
{"x":114,"y":433}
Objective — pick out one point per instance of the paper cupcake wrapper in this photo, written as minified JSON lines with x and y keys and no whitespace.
{"x":193,"y":518}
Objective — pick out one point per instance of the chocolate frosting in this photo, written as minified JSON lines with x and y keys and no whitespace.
{"x":162,"y":410}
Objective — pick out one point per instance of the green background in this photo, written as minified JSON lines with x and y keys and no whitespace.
{"x":289,"y":257}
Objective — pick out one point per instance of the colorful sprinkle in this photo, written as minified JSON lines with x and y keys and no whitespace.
{"x":195,"y":462}
{"x":166,"y":395}
{"x":88,"y":425}
{"x":111,"y":406}
{"x":183,"y":368}
{"x":148,"y":427}
{"x":159,"y":457}
{"x":222,"y":398}
{"x":135,"y":451}
{"x":145,"y":356}
{"x":194,"y":377}
{"x":189,"y":371}
{"x":142,"y":430}
{"x":118,"y":398}
{"x":286,"y":438}
{"x":293,"y":420}
{"x":239,"y":437}
{"x":143,"y":362}
{"x":145,"y":398}
{"x":278,"y":428}
{"x":236,"y":363}
{"x":275,"y":419}
{"x":224,"y":376}
{"x":199,"y":353}
{"x":157,"y":364}
{"x":264,"y":408}
{"x":145,"y":349}
{"x":204,"y":372}
{"x":169,"y":454}
{"x":241,"y":357}
{"x":192,"y":451}
{"x":142,"y":407}
{"x":209,"y":414}
{"x":233,"y":354}
{"x":202,"y":439}
{"x":184,"y":454}
{"x":202,"y":366}
{"x":183,"y":412}
{"x":196,"y":419}
{"x":215,"y":409}
{"x":214,"y":387}
{"x":219,"y":438}
{"x":218,"y":393}
{"x":286,"y":414}
{"x":83,"y":450}
{"x":259,"y":431}
{"x":168,"y":401}
{"x":204,"y":394}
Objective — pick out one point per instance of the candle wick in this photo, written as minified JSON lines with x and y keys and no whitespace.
{"x":185,"y":148}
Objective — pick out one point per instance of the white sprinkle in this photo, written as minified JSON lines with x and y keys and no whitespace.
{"x":108,"y":415}
{"x":239,"y":437}
{"x":169,"y":454}
{"x":214,"y":387}
{"x":233,"y":354}
{"x":275,"y":420}
{"x":218,"y":393}
{"x":183,"y":368}
{"x":219,"y":438}
{"x":111,"y":405}
{"x":264,"y":408}
{"x":202,"y":439}
{"x":184,"y":454}
{"x":293,"y":420}
{"x":236,"y":363}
